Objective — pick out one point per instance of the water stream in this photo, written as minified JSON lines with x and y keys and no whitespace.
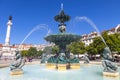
{"x":38,"y":27}
{"x":92,"y":24}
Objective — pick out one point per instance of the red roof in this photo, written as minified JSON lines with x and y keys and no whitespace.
{"x":113,"y":29}
{"x":1,"y":45}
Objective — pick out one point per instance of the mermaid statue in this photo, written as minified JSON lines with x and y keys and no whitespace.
{"x":45,"y":57}
{"x":107,"y":61}
{"x":18,"y":62}
{"x":86,"y":59}
{"x":73,"y":59}
{"x":61,"y":59}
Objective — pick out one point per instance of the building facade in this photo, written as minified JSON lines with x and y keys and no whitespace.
{"x":87,"y":39}
{"x":114,"y":30}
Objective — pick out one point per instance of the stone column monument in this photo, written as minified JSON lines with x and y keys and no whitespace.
{"x":9,"y":25}
{"x":6,"y":50}
{"x":6,"y":46}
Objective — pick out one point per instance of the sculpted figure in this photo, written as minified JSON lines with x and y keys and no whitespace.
{"x":52,"y":59}
{"x":18,"y":63}
{"x":45,"y":57}
{"x":86,"y":59}
{"x":61,"y":59}
{"x":73,"y":59}
{"x":107,"y":61}
{"x":62,"y":28}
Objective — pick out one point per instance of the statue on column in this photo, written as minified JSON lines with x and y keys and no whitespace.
{"x":10,"y":17}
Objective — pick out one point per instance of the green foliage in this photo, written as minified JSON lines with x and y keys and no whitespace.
{"x":48,"y":50}
{"x":55,"y":49}
{"x":24,"y":53}
{"x":39,"y":53}
{"x":77,"y":47}
{"x":112,"y":41}
{"x":98,"y":45}
{"x":91,"y":50}
{"x":32,"y":52}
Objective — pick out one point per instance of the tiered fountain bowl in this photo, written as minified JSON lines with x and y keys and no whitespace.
{"x":63,"y":60}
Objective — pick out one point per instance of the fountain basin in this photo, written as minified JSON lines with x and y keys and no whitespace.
{"x":40,"y":72}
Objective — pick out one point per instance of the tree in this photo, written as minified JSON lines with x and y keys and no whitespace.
{"x":112,"y":41}
{"x":77,"y":47}
{"x":48,"y":50}
{"x":91,"y":50}
{"x":98,"y":45}
{"x":32,"y":52}
{"x":55,"y":49}
{"x":24,"y":53}
{"x":39,"y":53}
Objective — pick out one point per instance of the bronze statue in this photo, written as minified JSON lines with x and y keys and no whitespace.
{"x":10,"y":17}
{"x":107,"y":62}
{"x":86,"y":59}
{"x":18,"y":63}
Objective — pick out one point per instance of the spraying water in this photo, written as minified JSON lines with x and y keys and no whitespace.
{"x":93,"y":25}
{"x":40,"y":26}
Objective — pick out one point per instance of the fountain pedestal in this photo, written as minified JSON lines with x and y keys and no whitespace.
{"x":62,"y":40}
{"x":16,"y":72}
{"x":75,"y":66}
{"x":51,"y":65}
{"x":62,"y":67}
{"x":111,"y":74}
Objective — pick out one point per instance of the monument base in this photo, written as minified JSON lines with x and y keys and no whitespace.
{"x":51,"y":65}
{"x":16,"y":72}
{"x":62,"y":67}
{"x":75,"y":66}
{"x":110,"y":74}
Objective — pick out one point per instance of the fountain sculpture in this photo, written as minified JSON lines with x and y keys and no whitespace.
{"x":16,"y":66}
{"x":62,"y":61}
{"x":86,"y":59}
{"x":110,"y":68}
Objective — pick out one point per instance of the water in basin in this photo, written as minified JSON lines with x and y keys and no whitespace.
{"x":40,"y":72}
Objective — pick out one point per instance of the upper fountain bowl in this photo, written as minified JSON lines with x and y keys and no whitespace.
{"x":63,"y":38}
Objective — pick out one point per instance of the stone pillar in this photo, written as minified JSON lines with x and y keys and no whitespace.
{"x":6,"y":49}
{"x":7,"y":39}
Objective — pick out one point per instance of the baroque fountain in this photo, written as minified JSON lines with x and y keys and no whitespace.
{"x":58,"y":64}
{"x":62,"y":60}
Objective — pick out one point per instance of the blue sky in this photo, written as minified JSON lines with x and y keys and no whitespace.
{"x":27,"y":14}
